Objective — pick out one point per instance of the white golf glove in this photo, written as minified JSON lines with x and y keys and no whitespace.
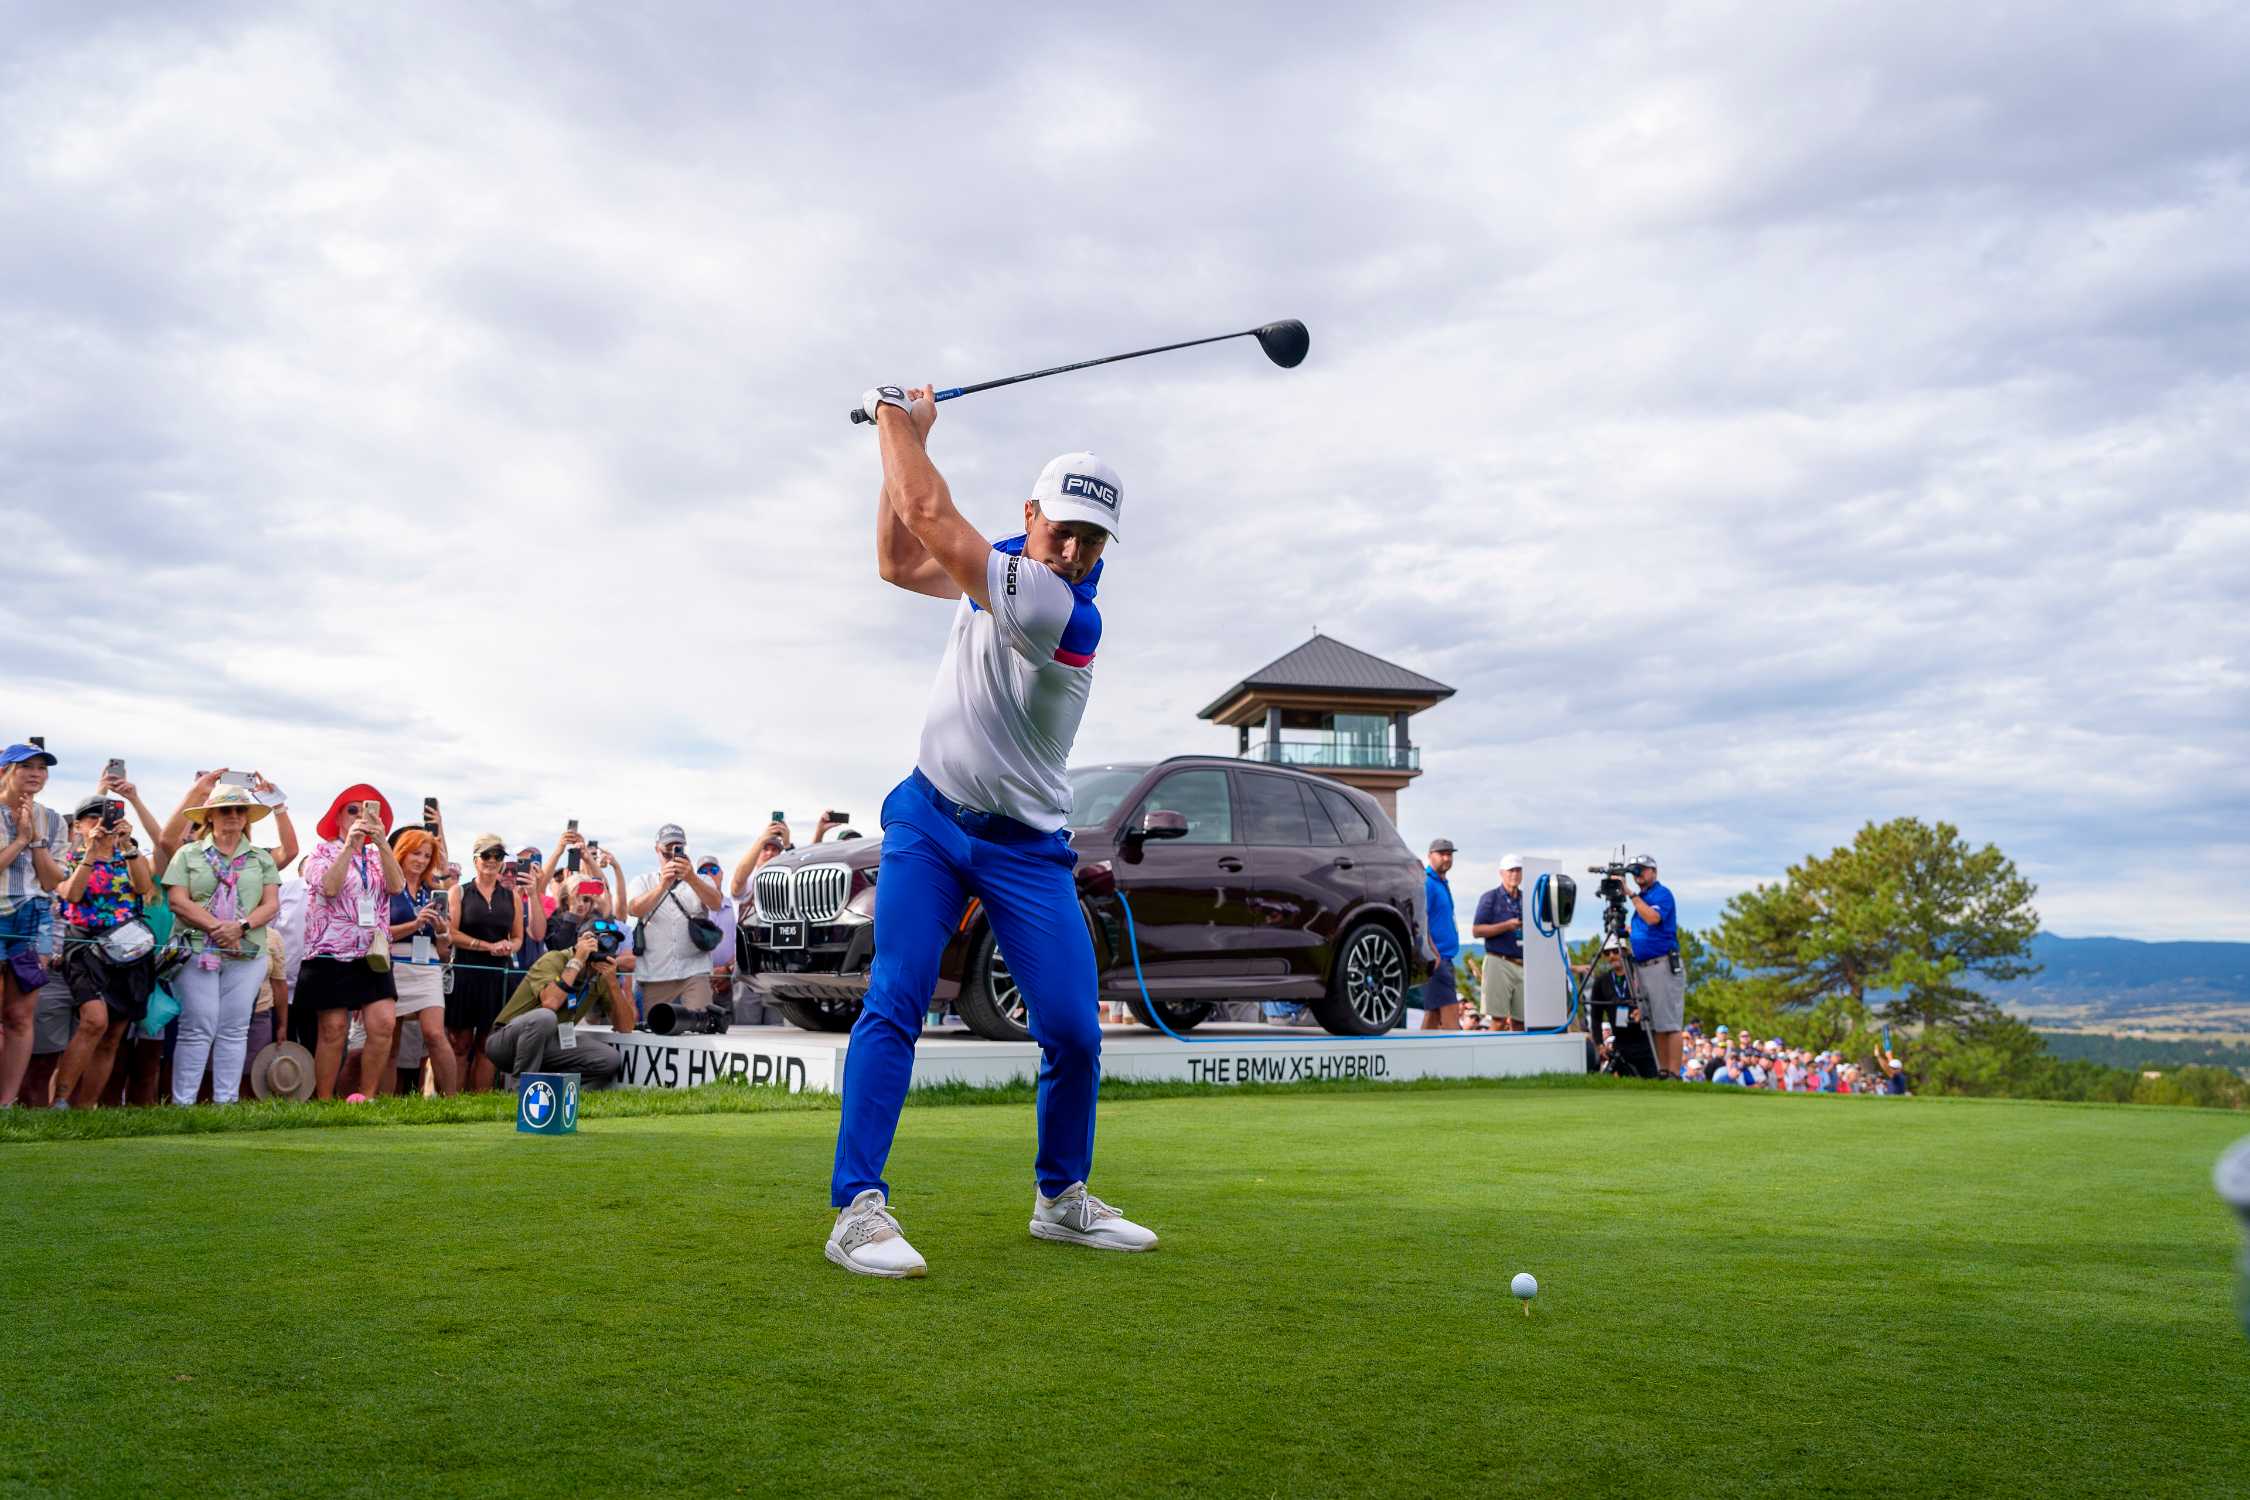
{"x":885,"y":395}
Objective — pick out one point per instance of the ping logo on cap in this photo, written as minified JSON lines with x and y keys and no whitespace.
{"x":1087,"y":486}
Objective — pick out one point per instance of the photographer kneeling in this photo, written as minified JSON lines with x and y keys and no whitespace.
{"x":1657,"y":962}
{"x":1614,"y":997}
{"x":538,"y":1030}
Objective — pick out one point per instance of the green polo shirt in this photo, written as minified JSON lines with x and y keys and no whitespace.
{"x":593,"y":991}
{"x":191,"y":867}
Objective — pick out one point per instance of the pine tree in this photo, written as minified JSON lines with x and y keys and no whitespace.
{"x":1895,"y":925}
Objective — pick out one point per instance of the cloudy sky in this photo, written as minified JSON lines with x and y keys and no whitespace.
{"x":1769,"y":418}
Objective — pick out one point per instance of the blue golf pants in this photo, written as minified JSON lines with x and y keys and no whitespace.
{"x":937,"y":854}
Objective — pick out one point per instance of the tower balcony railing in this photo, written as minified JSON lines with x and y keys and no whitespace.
{"x":1336,"y":755}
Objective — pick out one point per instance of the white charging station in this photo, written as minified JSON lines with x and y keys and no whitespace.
{"x":1546,"y":977}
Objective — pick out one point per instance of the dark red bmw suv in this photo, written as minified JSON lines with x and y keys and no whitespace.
{"x":1247,"y":882}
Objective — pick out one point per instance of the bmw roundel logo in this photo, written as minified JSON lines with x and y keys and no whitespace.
{"x":570,"y":1110}
{"x":539,"y":1103}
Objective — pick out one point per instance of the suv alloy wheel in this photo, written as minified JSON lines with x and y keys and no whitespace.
{"x":1367,"y":988}
{"x":989,"y":1003}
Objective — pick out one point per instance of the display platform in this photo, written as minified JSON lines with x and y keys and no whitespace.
{"x":1217,"y":1055}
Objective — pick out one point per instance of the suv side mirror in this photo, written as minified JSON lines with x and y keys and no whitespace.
{"x":1155,"y":824}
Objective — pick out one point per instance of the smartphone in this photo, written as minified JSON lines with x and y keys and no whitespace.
{"x":429,"y":809}
{"x":115,"y":770}
{"x":571,"y":859}
{"x":573,"y":825}
{"x":113,"y":813}
{"x":779,"y":816}
{"x":235,"y":778}
{"x":593,"y":843}
{"x":838,"y":817}
{"x":38,"y":742}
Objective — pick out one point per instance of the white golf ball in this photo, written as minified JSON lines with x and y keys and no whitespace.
{"x":1525,"y":1285}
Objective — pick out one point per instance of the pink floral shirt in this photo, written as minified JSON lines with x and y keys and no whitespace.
{"x":332,"y":928}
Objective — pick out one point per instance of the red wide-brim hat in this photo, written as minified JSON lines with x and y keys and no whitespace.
{"x":361,"y":793}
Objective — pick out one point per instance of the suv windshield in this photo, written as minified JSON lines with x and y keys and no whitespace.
{"x":1095,"y":792}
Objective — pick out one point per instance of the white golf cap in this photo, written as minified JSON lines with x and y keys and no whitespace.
{"x":1511,"y":861}
{"x":1080,"y":487}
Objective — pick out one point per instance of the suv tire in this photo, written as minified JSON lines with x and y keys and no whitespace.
{"x":989,"y":1003}
{"x":1180,"y":1015}
{"x":820,"y":1015}
{"x":1367,"y":987}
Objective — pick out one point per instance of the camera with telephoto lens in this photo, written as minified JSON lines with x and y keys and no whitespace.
{"x":666,"y":1019}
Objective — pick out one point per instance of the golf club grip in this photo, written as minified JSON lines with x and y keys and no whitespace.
{"x":860,"y":415}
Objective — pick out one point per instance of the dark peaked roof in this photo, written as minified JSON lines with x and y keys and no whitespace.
{"x":1326,"y":665}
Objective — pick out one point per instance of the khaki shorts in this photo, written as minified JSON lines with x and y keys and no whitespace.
{"x":1502,"y":996}
{"x":1664,"y":993}
{"x":693,"y":994}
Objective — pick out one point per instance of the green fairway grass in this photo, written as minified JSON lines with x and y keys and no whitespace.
{"x":1740,"y":1294}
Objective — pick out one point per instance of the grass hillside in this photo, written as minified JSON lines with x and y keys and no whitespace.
{"x":1741,"y":1294}
{"x":2192,"y":989}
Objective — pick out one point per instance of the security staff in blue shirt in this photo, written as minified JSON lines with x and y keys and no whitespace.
{"x":1441,"y":1007}
{"x":1656,"y":958}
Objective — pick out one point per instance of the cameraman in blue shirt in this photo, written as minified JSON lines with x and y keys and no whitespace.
{"x":1657,"y":961}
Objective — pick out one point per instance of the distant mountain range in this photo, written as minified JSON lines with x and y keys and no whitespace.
{"x":2110,"y":984}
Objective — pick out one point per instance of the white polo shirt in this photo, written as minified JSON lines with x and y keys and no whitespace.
{"x":1004,"y":710}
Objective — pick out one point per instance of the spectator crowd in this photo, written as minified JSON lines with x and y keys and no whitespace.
{"x":1744,"y":1062}
{"x":195,"y":956}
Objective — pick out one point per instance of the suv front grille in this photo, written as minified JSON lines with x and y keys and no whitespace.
{"x":809,"y":893}
{"x":821,"y":891}
{"x":773,"y":895}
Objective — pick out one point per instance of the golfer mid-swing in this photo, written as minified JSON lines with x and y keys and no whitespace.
{"x":983,"y":815}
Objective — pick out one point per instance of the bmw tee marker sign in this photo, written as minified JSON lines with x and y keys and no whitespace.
{"x":547,"y":1104}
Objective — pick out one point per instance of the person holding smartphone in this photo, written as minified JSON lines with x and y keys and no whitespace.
{"x":487,"y":918}
{"x":671,"y":968}
{"x":421,"y":943}
{"x":349,"y":877}
{"x":106,"y":887}
{"x":32,"y":840}
{"x":224,"y":892}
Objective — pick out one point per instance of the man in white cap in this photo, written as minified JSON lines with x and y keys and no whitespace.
{"x":983,"y":814}
{"x":1499,"y":923}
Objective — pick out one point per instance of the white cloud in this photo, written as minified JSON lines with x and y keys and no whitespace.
{"x":1769,"y":419}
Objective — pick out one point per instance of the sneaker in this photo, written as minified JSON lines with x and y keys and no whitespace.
{"x":1077,"y":1217}
{"x":867,"y":1240}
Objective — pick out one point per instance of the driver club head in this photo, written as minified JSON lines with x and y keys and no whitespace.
{"x":1285,"y":342}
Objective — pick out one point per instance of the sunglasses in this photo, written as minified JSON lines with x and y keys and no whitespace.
{"x":485,"y":854}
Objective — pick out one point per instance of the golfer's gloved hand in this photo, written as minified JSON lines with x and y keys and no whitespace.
{"x":885,"y":395}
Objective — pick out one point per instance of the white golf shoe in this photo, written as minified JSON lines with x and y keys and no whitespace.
{"x":867,"y":1240}
{"x":1077,"y":1217}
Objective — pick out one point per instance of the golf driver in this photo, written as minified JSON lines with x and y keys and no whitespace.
{"x":1285,"y":344}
